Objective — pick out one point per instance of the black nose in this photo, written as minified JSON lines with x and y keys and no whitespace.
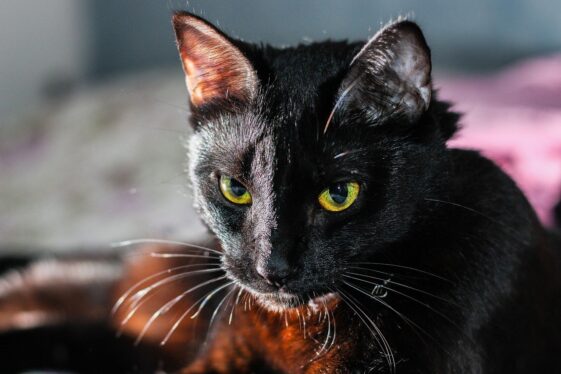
{"x":274,"y":274}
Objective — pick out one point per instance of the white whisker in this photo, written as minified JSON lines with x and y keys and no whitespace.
{"x":401,"y":315}
{"x":376,"y":333}
{"x":137,"y":297}
{"x":126,"y":243}
{"x":234,"y":306}
{"x":215,"y":313}
{"x":405,"y":267}
{"x":513,"y":233}
{"x":402,"y":285}
{"x":412,"y":299}
{"x":205,"y":301}
{"x":182,"y":255}
{"x":182,"y":317}
{"x":166,"y":307}
{"x":328,"y":335}
{"x":126,"y":294}
{"x":407,"y":320}
{"x":339,"y":102}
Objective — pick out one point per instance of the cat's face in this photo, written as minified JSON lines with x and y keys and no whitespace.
{"x":308,"y":159}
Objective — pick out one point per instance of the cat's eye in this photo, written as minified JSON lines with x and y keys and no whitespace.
{"x":339,"y":196}
{"x":234,"y":191}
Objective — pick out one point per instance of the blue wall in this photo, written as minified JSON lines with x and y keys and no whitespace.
{"x":464,"y":35}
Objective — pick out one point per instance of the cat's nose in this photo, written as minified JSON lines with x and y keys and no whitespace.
{"x":274,"y":274}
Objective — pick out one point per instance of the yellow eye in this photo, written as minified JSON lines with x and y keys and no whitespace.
{"x":339,"y":196}
{"x":234,"y":191}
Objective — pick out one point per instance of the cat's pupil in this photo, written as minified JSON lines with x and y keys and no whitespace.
{"x":237,"y":188}
{"x":339,"y":192}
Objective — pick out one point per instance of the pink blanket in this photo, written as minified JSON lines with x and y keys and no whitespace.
{"x":514,"y":118}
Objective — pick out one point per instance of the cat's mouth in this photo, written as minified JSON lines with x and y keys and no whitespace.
{"x":277,"y":301}
{"x":282,"y":301}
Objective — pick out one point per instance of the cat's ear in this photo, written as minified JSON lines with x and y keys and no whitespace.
{"x":391,"y":74}
{"x":215,"y":69}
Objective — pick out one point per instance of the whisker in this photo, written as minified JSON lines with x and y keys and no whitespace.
{"x":234,"y":306}
{"x":322,"y":350}
{"x":399,"y":314}
{"x":376,"y":333}
{"x":511,"y":231}
{"x":183,"y":255}
{"x":215,"y":313}
{"x":346,"y":153}
{"x":410,"y":322}
{"x":463,"y":207}
{"x":245,"y":302}
{"x":166,"y":307}
{"x":327,"y":336}
{"x":143,"y":299}
{"x":423,"y":304}
{"x":203,"y":299}
{"x":402,"y":285}
{"x":334,"y":331}
{"x":126,"y":243}
{"x":388,"y":352}
{"x":134,"y":299}
{"x":126,"y":294}
{"x":393,"y":274}
{"x":405,"y":267}
{"x":339,"y":102}
{"x":303,"y":322}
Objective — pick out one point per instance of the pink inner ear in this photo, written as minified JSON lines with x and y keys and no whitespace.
{"x":214,"y":68}
{"x":191,"y":80}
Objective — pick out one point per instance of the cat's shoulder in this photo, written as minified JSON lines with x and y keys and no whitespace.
{"x":473,"y":168}
{"x":479,"y":183}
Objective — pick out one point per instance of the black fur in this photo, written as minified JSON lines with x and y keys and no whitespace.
{"x":422,"y":205}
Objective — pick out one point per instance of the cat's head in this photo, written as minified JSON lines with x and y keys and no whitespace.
{"x":306,"y":159}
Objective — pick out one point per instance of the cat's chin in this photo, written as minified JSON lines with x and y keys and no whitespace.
{"x":281,"y":302}
{"x":277,"y":301}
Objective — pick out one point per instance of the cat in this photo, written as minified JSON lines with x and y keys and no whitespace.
{"x":344,"y":236}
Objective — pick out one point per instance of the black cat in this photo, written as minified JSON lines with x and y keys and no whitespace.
{"x":349,"y":238}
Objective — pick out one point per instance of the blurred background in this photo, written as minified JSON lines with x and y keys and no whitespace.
{"x":93,"y":107}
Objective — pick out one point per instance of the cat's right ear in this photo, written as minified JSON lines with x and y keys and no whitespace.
{"x":215,"y":69}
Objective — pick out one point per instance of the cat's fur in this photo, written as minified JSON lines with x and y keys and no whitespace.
{"x":440,"y":266}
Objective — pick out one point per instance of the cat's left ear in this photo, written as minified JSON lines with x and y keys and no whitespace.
{"x":391,"y":74}
{"x":215,"y":69}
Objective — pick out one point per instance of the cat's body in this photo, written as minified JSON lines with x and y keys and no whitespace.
{"x":350,"y":238}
